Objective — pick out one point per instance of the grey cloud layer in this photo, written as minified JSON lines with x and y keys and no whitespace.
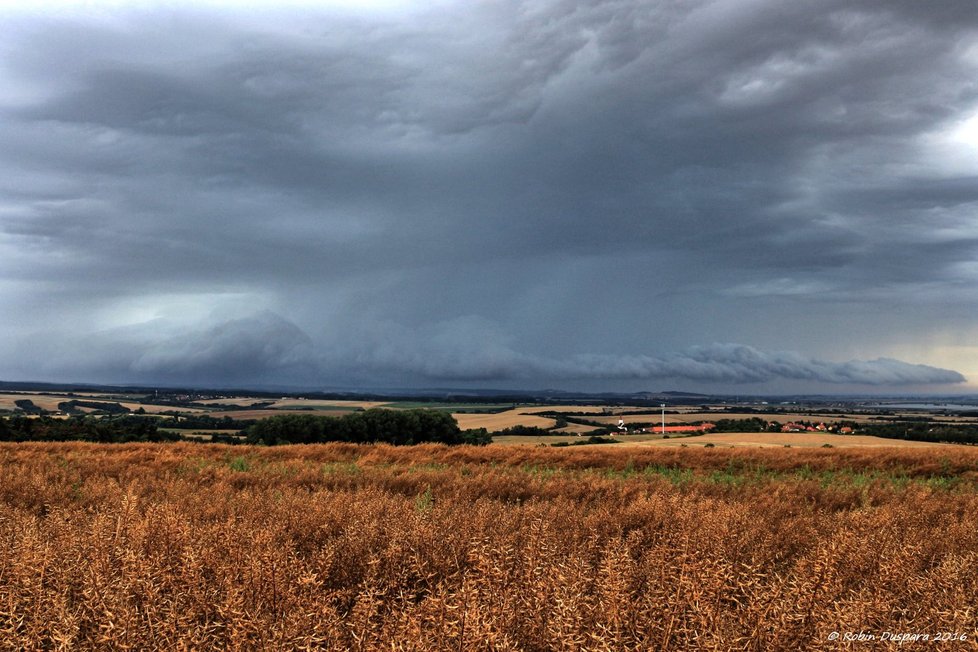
{"x":704,"y":171}
{"x":468,"y":349}
{"x":265,"y":348}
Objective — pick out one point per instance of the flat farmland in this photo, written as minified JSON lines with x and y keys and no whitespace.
{"x":157,"y":409}
{"x":345,"y":547}
{"x":727,"y":440}
{"x":501,"y":420}
{"x":50,"y":402}
{"x":780,"y":440}
{"x":575,"y":429}
{"x":43,"y":401}
{"x":534,"y":440}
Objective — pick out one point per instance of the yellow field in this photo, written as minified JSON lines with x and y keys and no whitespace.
{"x":728,"y":440}
{"x":501,"y":420}
{"x":531,"y":440}
{"x":50,"y":402}
{"x":43,"y":401}
{"x":779,"y":439}
{"x":156,"y":409}
{"x":575,"y":428}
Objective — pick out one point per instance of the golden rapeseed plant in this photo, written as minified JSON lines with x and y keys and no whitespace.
{"x":345,"y":547}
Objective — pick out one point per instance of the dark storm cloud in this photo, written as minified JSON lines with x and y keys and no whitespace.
{"x":570,"y":172}
{"x":468,"y":349}
{"x":258,"y":348}
{"x":265,"y":348}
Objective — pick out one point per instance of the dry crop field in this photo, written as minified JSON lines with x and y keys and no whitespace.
{"x":783,"y":439}
{"x":501,"y":420}
{"x":345,"y":547}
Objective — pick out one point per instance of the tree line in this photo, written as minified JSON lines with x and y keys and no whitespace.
{"x":104,"y":430}
{"x":398,"y":427}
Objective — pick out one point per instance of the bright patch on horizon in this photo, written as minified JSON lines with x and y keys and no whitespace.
{"x":177,"y":308}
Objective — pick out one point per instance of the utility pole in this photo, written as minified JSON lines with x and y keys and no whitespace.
{"x":663,"y":417}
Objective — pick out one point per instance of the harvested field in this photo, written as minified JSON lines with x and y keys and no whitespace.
{"x":344,"y":547}
{"x":501,"y":420}
{"x":534,"y":440}
{"x":575,"y":428}
{"x":50,"y":402}
{"x":779,"y":439}
{"x":157,"y":409}
{"x":44,"y":401}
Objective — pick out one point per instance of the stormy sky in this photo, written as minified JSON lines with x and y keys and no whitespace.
{"x":750,"y":196}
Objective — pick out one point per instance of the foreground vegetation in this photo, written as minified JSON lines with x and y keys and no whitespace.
{"x":343,"y":546}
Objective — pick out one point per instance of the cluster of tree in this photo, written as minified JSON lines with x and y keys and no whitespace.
{"x":957,"y":433}
{"x":751,"y":424}
{"x":259,"y":405}
{"x":375,"y":425}
{"x":207,"y":422}
{"x":593,"y":439}
{"x":27,"y":405}
{"x":525,"y":431}
{"x":915,"y":429}
{"x":105,"y":430}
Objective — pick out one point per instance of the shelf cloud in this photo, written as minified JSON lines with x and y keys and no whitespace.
{"x":266,"y":348}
